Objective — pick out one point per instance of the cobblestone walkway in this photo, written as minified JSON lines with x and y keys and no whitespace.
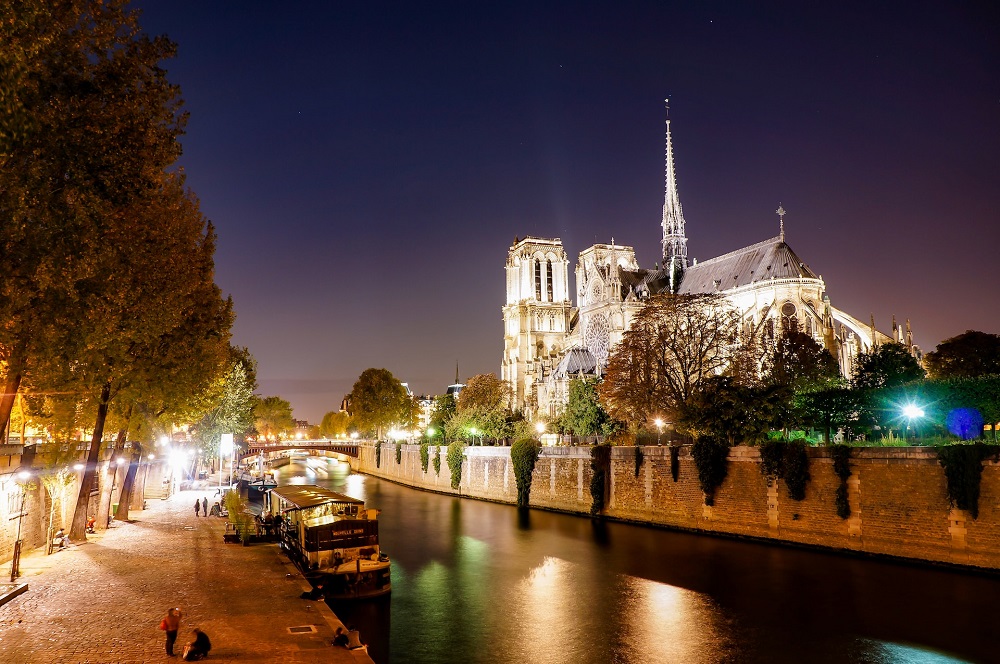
{"x":102,"y":601}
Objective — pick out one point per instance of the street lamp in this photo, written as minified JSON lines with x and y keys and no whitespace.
{"x":659,"y":429}
{"x":912,"y":412}
{"x":474,"y":431}
{"x":15,"y":563}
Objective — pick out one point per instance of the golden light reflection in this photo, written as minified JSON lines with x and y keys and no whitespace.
{"x":546,"y":600}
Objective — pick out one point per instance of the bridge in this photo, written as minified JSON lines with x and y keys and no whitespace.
{"x":347,"y":448}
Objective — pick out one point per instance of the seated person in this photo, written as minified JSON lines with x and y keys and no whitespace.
{"x":340,"y":638}
{"x":198,"y":648}
{"x":91,"y":521}
{"x":354,"y":639}
{"x":61,"y":539}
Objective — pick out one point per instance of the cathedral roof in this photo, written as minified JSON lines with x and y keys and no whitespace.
{"x":770,"y":259}
{"x":574,"y":361}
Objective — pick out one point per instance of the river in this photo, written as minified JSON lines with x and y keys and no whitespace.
{"x":482,"y":582}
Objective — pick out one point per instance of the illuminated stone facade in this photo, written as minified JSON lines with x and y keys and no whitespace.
{"x":548,"y":340}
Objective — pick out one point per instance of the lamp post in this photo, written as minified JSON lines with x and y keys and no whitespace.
{"x":912,"y":412}
{"x":659,"y":429}
{"x":15,"y":563}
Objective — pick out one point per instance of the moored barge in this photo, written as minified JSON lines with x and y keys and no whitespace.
{"x":333,"y":539}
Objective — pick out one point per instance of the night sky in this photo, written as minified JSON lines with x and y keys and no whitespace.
{"x":368,"y":164}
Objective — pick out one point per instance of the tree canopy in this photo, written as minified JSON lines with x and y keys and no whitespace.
{"x":378,"y":401}
{"x":272,"y":417}
{"x":969,"y":355}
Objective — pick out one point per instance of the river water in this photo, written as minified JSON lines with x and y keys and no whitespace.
{"x":481,"y":582}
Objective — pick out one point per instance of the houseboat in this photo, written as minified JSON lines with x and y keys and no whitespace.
{"x":333,"y":539}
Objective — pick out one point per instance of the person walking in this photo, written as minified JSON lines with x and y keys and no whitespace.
{"x":170,"y":624}
{"x":197,"y":506}
{"x":204,"y":505}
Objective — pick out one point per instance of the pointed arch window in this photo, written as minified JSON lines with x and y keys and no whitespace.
{"x":548,"y":280}
{"x":538,"y":279}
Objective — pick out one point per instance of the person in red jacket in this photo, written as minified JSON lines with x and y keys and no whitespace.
{"x":171,"y":623}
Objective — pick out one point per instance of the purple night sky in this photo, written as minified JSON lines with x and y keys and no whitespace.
{"x":367,"y":164}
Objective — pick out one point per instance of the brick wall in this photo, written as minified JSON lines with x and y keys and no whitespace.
{"x":897,"y":496}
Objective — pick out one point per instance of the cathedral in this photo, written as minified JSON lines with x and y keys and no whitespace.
{"x":548,"y":340}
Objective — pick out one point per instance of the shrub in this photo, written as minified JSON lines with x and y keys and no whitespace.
{"x":437,"y":460}
{"x":638,"y":459}
{"x":238,"y":515}
{"x":523,"y":456}
{"x":787,"y":461}
{"x":600,"y":464}
{"x":424,"y":455}
{"x":842,"y":469}
{"x":711,"y":456}
{"x":456,"y":451}
{"x":399,"y":453}
{"x":378,"y":454}
{"x":675,"y":462}
{"x":963,"y":468}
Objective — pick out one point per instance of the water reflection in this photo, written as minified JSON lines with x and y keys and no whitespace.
{"x":481,"y":582}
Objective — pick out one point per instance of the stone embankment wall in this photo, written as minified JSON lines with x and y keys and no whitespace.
{"x":898,"y":498}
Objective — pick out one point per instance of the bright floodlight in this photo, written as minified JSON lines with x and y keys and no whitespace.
{"x":540,"y":427}
{"x":430,"y":431}
{"x":79,"y":466}
{"x":910,"y":411}
{"x":120,"y":460}
{"x":24,"y":475}
{"x":658,"y":422}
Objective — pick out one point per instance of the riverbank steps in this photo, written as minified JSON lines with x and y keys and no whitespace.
{"x":101,"y":601}
{"x":897,"y":496}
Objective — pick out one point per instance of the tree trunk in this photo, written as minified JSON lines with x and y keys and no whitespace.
{"x":15,"y":367}
{"x":111,"y":479}
{"x":78,"y":531}
{"x":126,"y":498}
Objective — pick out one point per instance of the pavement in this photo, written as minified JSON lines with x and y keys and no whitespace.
{"x":102,"y":601}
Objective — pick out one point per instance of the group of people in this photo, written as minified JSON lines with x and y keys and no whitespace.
{"x":196,"y":649}
{"x":201,"y":507}
{"x":349,"y":638}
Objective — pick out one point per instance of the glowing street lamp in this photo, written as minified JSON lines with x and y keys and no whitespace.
{"x":912,"y":412}
{"x":659,"y":429}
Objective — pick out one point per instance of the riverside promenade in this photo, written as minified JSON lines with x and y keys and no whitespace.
{"x":102,"y":601}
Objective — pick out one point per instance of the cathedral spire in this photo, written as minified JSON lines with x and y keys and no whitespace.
{"x":674,"y":239}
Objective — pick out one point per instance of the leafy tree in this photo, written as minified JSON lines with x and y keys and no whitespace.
{"x":828,"y":409}
{"x":887,"y":365}
{"x":800,"y":363}
{"x":228,"y":403}
{"x":334,"y":424}
{"x":378,"y":401}
{"x":722,"y":408}
{"x":969,"y":355}
{"x":273,"y":417}
{"x":485,"y":392}
{"x":441,"y":413}
{"x":674,"y":343}
{"x":584,"y":415}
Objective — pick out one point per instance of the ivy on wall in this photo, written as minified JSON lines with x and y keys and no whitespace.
{"x":638,"y":459}
{"x":787,"y":461}
{"x":456,"y":451}
{"x":600,"y":465}
{"x":523,"y":456}
{"x":675,"y":462}
{"x":842,"y":469}
{"x":437,"y":460}
{"x":963,"y":469}
{"x":378,"y":454}
{"x":711,"y":456}
{"x":424,"y":455}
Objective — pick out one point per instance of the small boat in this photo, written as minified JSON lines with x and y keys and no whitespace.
{"x":258,"y":482}
{"x":333,"y":539}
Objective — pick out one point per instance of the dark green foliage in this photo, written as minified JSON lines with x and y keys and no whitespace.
{"x":787,"y":461}
{"x":841,"y":502}
{"x":437,"y":460}
{"x":841,"y":461}
{"x":456,"y":451}
{"x":584,"y":415}
{"x":399,"y":453}
{"x":378,"y":454}
{"x":969,"y":355}
{"x":796,"y":470}
{"x":523,"y":455}
{"x":723,"y":408}
{"x":600,"y":464}
{"x":638,"y":460}
{"x":675,"y":462}
{"x":889,"y":365}
{"x":711,"y":456}
{"x":963,"y":468}
{"x":424,"y":455}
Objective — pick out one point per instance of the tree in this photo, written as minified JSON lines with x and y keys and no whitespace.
{"x":969,"y":355}
{"x":722,"y":408}
{"x":334,"y":424}
{"x":801,"y":364}
{"x":378,"y":401}
{"x":887,"y":365}
{"x":228,"y":402}
{"x":674,"y":343}
{"x":584,"y":415}
{"x":273,"y":417}
{"x":441,"y":413}
{"x":485,"y":392}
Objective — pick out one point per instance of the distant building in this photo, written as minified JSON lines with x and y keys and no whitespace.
{"x":548,"y":339}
